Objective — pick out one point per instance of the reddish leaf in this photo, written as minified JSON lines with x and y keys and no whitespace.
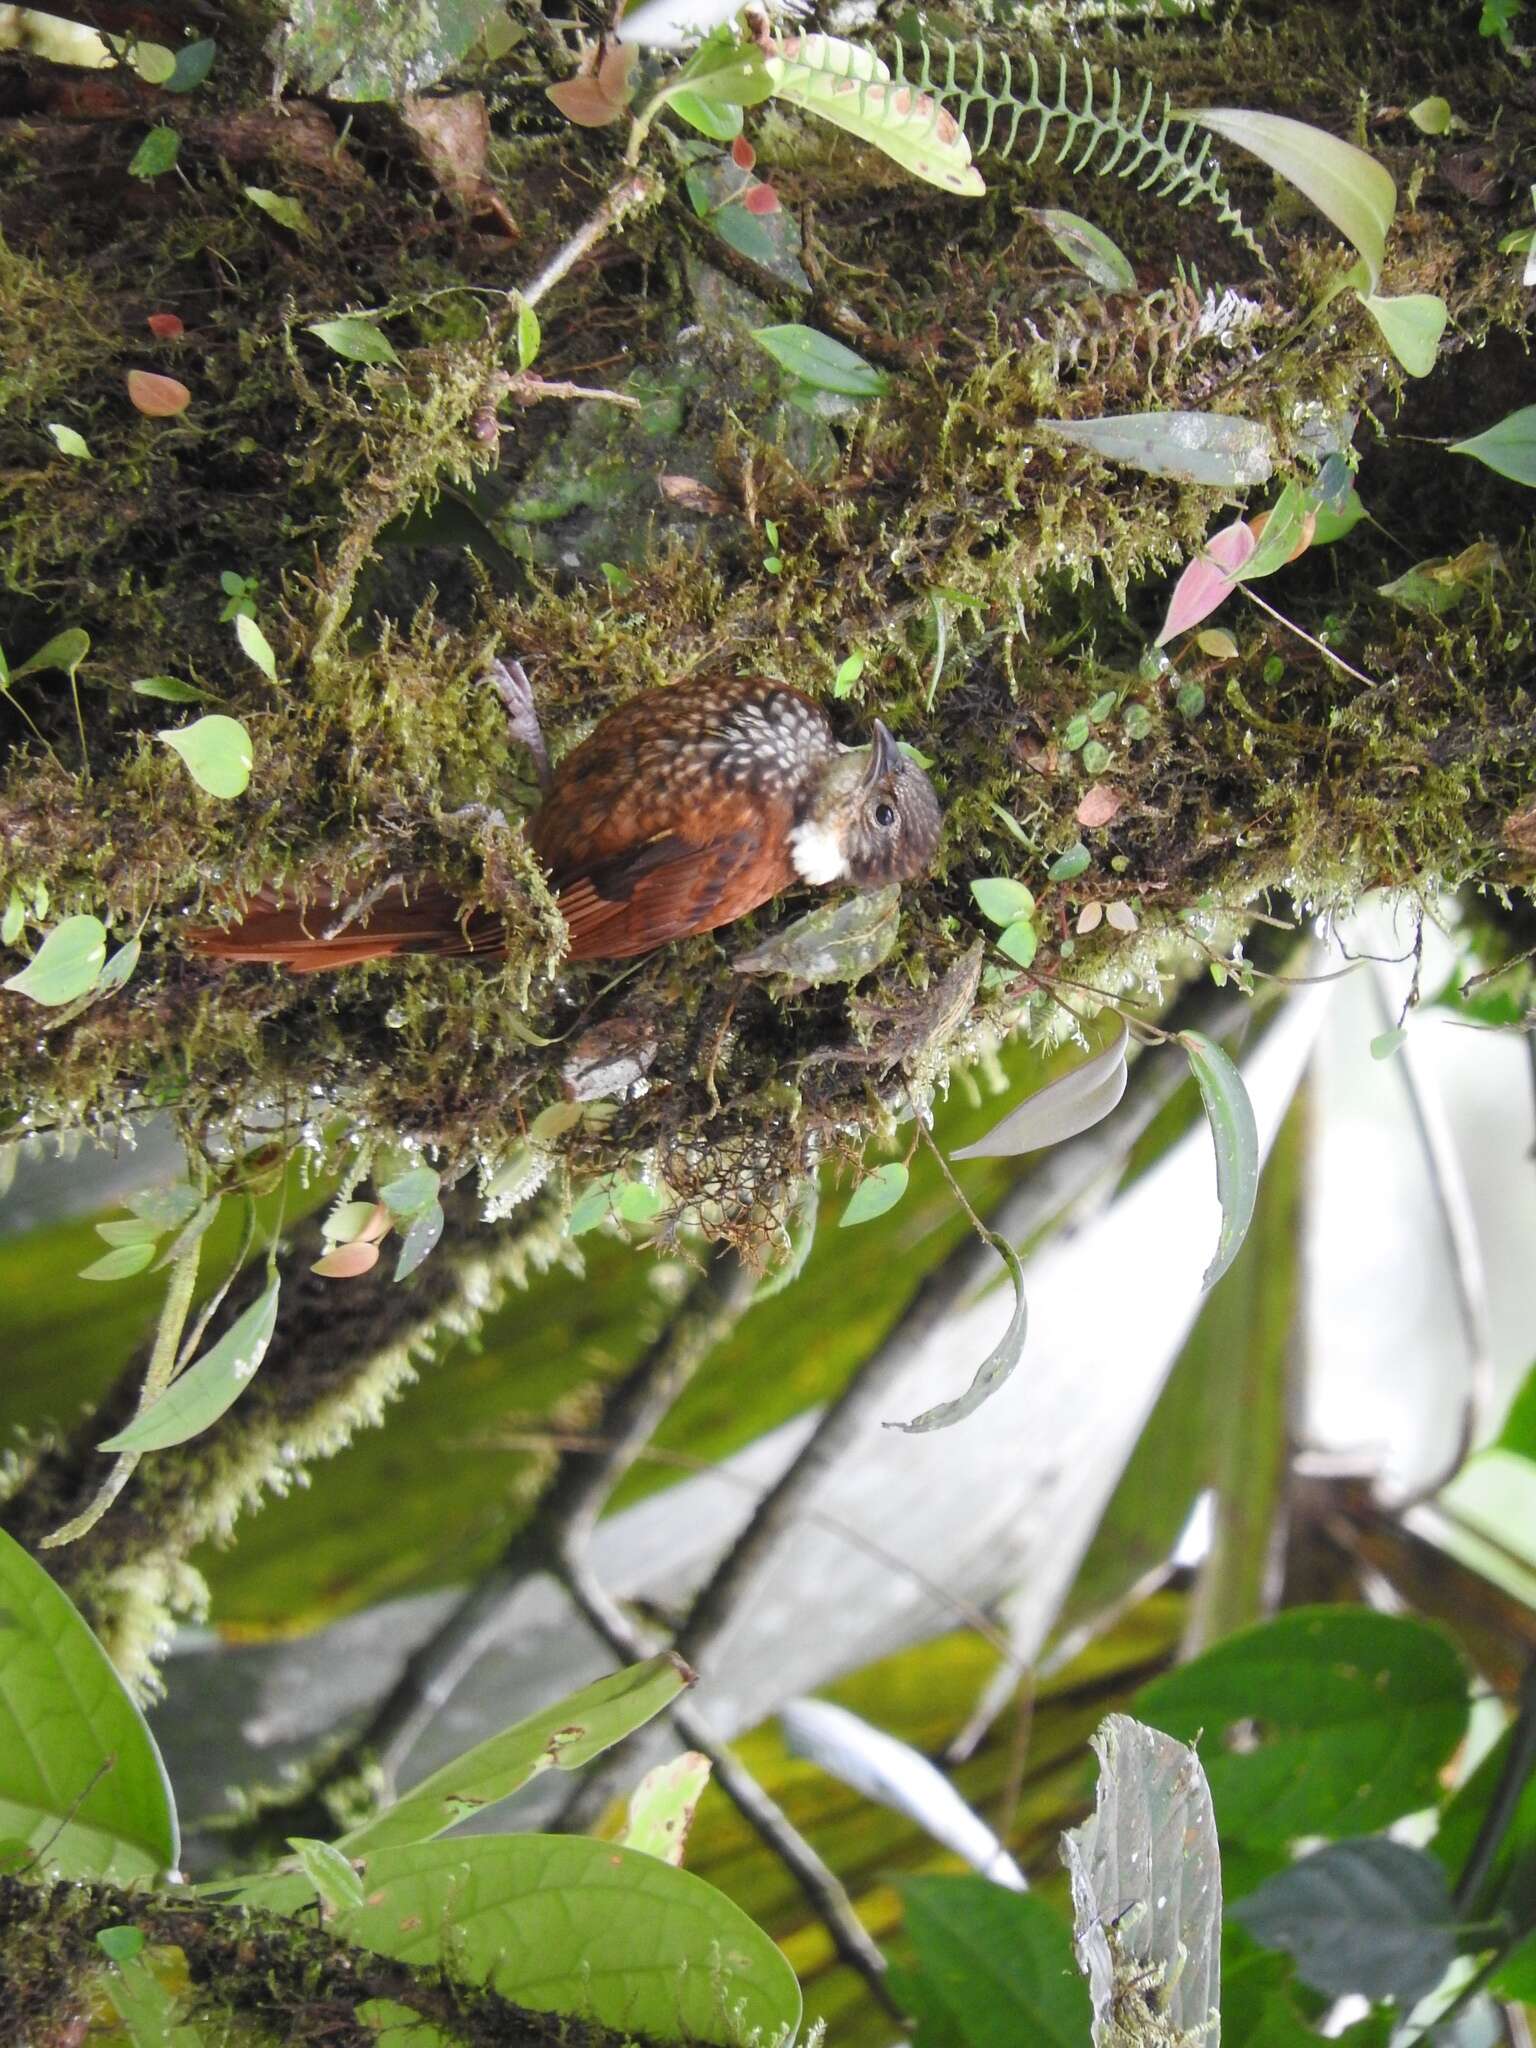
{"x":1308,"y":527}
{"x":165,"y":326}
{"x":583,"y":101}
{"x":760,"y":199}
{"x":1099,"y":804}
{"x":348,"y":1261}
{"x":743,"y":155}
{"x":1208,"y":580}
{"x":158,"y":398}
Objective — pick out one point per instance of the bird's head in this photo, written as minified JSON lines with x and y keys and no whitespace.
{"x":872,"y":819}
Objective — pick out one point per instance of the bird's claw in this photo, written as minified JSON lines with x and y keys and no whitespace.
{"x":510,"y":681}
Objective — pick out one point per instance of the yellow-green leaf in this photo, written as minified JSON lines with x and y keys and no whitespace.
{"x":217,"y":752}
{"x":852,"y":88}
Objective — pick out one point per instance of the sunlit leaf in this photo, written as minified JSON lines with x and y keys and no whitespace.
{"x":66,"y":965}
{"x":882,"y":1190}
{"x":336,"y":1883}
{"x":288,"y":213}
{"x":529,"y":336}
{"x":216,"y":750}
{"x":69,"y":443}
{"x":1348,"y":187}
{"x":1060,"y":1110}
{"x":212,"y":1384}
{"x":1020,"y":941}
{"x":1236,"y":1138}
{"x":1196,"y":447}
{"x":359,"y":340}
{"x":1431,"y":116}
{"x":1003,"y":900}
{"x":1509,"y":447}
{"x":81,"y":1781}
{"x":662,"y":1806}
{"x":848,"y":85}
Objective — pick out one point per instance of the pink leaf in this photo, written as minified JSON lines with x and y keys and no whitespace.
{"x":158,"y":398}
{"x":1208,"y":580}
{"x":165,"y":326}
{"x":761,"y":199}
{"x":743,"y":155}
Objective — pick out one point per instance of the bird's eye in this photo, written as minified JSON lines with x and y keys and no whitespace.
{"x":885,"y":814}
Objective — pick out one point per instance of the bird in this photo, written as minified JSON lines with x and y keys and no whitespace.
{"x":686,"y":807}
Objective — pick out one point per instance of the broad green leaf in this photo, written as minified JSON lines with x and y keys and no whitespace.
{"x":65,"y":652}
{"x":569,"y":1925}
{"x":169,"y":689}
{"x":156,"y":153}
{"x":1368,"y":1916}
{"x":994,"y":1369}
{"x":839,"y":943}
{"x":1236,"y":1138}
{"x":1145,"y":1873}
{"x":565,"y":1736}
{"x":1356,"y":1713}
{"x":1020,"y":941}
{"x":817,"y":359}
{"x":81,"y":1781}
{"x":335,"y":1881}
{"x":721,"y":122}
{"x":288,"y":213}
{"x":68,"y":442}
{"x":851,"y":87}
{"x":122,"y":1944}
{"x":66,"y":965}
{"x":1061,"y":1109}
{"x":1431,"y":116}
{"x":882,"y":1190}
{"x":409,"y":1193}
{"x":1411,"y":326}
{"x":848,"y":673}
{"x":1348,"y":187}
{"x":725,"y":72}
{"x":147,"y":2009}
{"x":216,"y":750}
{"x":529,"y":335}
{"x":1003,"y":900}
{"x":1088,"y":247}
{"x":360,"y":341}
{"x":1333,"y":524}
{"x":991,"y":1968}
{"x":256,"y":645}
{"x":1196,"y":447}
{"x":1509,"y":447}
{"x":421,"y":1237}
{"x":121,"y":1263}
{"x":662,"y":1806}
{"x":211,"y":1384}
{"x":194,"y":61}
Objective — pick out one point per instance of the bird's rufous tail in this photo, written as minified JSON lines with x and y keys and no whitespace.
{"x":318,"y":936}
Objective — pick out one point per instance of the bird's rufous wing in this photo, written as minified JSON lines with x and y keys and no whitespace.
{"x":675,"y":884}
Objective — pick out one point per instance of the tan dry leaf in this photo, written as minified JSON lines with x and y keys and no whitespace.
{"x":453,"y":134}
{"x":583,"y":101}
{"x":1121,"y":917}
{"x":157,"y":397}
{"x":1089,"y":918}
{"x":693,"y":496}
{"x":1099,"y":805}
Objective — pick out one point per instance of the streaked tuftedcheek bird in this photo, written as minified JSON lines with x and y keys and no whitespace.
{"x":686,"y":808}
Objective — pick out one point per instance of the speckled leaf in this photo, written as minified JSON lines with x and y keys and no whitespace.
{"x":662,"y":1806}
{"x":842,"y":943}
{"x":846,"y":84}
{"x":1195,"y":447}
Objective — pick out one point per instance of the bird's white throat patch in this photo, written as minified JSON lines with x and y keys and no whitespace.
{"x":816,"y":854}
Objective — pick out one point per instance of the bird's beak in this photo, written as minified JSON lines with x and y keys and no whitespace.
{"x":885,"y":757}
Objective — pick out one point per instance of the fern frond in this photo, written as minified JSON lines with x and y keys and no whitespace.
{"x":998,"y":110}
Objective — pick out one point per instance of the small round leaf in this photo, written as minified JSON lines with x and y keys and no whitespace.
{"x":217,"y":752}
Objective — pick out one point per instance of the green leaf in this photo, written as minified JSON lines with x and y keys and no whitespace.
{"x":165,"y":1208}
{"x":359,"y":341}
{"x":122,"y":1944}
{"x":194,"y":61}
{"x":994,"y":1369}
{"x":848,"y":85}
{"x":1020,"y":941}
{"x":121,"y":1263}
{"x":199,"y":1396}
{"x":68,"y":442}
{"x":1145,"y":1874}
{"x":662,"y":1806}
{"x":1356,"y":1714}
{"x":529,"y":335}
{"x":80,"y":1776}
{"x":1519,"y":1431}
{"x":721,"y":123}
{"x":1509,"y":447}
{"x":66,"y":965}
{"x":1095,"y":758}
{"x":409,"y":1193}
{"x":727,"y":73}
{"x":14,"y":922}
{"x":1002,"y":900}
{"x":1196,"y":447}
{"x":1236,"y":1138}
{"x":119,"y":969}
{"x":169,"y":689}
{"x":1063,"y":1108}
{"x":127,"y":1230}
{"x":1333,"y":523}
{"x":1087,"y":247}
{"x":1368,"y":1916}
{"x":1345,"y":185}
{"x":421,"y":1236}
{"x":992,"y":1968}
{"x":882,"y":1190}
{"x":335,"y":1881}
{"x":1386,"y":1043}
{"x":818,"y":360}
{"x":1066,"y":867}
{"x":1411,"y":326}
{"x":288,"y":213}
{"x":65,"y":651}
{"x":1432,"y":116}
{"x":147,"y":2009}
{"x":839,"y":942}
{"x":256,"y":644}
{"x":565,"y":1736}
{"x":216,"y":750}
{"x":156,"y":153}
{"x":1282,"y":530}
{"x":848,"y":673}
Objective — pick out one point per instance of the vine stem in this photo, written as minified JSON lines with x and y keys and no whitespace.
{"x":633,"y":193}
{"x":162,"y":1370}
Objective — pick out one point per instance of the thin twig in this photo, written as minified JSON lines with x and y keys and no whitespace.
{"x":633,"y":193}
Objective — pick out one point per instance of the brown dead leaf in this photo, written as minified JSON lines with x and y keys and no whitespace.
{"x":583,"y":101}
{"x":693,"y":496}
{"x":453,"y":134}
{"x":157,"y":397}
{"x":1099,"y":805}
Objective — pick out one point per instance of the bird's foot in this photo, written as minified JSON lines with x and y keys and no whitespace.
{"x":510,"y":682}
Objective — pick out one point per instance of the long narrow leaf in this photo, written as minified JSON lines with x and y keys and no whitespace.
{"x":1236,"y":1138}
{"x":205,"y":1390}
